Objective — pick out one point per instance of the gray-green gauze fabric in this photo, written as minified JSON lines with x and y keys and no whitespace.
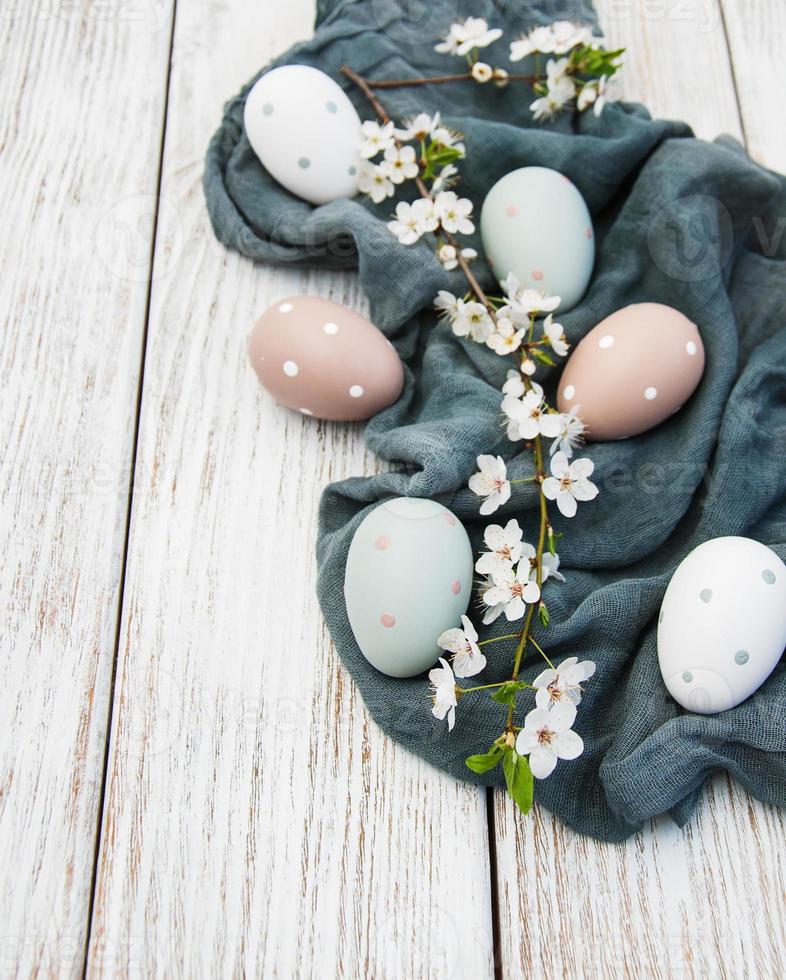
{"x":680,"y":221}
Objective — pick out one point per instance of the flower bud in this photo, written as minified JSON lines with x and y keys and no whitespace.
{"x":500,"y":77}
{"x":482,"y":72}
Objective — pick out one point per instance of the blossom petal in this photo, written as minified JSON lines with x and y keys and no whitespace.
{"x":566,"y":503}
{"x":567,"y":745}
{"x":542,"y":762}
{"x":562,"y":716}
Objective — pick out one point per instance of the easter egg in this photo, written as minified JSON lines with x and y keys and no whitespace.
{"x":305,"y":131}
{"x":722,"y":624}
{"x":535,"y":224}
{"x":322,"y":359}
{"x":408,"y":579}
{"x":633,"y":370}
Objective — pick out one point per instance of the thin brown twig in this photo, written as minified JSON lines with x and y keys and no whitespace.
{"x":441,"y":79}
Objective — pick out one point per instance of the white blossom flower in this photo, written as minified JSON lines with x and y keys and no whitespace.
{"x":513,"y":588}
{"x":549,"y":565}
{"x":472,"y":319}
{"x":569,"y":482}
{"x":453,"y":212}
{"x":448,"y":256}
{"x":529,"y":418}
{"x":563,"y":683}
{"x":474,"y":32}
{"x":520,"y":303}
{"x":447,"y":304}
{"x":372,"y":180}
{"x":568,"y":35}
{"x":491,"y":482}
{"x":376,"y":138}
{"x":539,"y":39}
{"x":594,"y":93}
{"x":419,"y":127}
{"x":448,"y":138}
{"x":482,"y":72}
{"x":556,"y":98}
{"x":555,"y":334}
{"x":463,"y":644}
{"x":547,"y":736}
{"x":406,"y":226}
{"x":501,"y":77}
{"x":514,"y":384}
{"x":400,"y":163}
{"x":571,"y":433}
{"x":444,"y":693}
{"x":505,"y":547}
{"x":505,"y":338}
{"x":444,"y":179}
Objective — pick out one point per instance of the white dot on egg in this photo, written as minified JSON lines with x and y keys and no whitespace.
{"x":569,"y":392}
{"x":650,"y":393}
{"x":306,"y":411}
{"x":285,"y":308}
{"x":290,"y":369}
{"x":606,"y":341}
{"x":691,"y":348}
{"x":330,"y":328}
{"x":356,"y":391}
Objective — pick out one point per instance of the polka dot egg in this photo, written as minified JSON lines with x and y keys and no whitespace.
{"x":408,"y":579}
{"x":323,"y":359}
{"x":305,"y":132}
{"x":535,"y":224}
{"x":722,"y":624}
{"x":633,"y":370}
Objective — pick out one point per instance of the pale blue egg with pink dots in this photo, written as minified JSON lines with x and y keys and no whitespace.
{"x":535,"y":224}
{"x":408,"y":579}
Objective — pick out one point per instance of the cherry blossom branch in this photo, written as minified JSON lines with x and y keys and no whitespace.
{"x":441,"y":79}
{"x":384,"y":117}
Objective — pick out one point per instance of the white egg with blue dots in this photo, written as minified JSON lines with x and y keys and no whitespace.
{"x":722,"y":623}
{"x":408,"y":579}
{"x":305,"y":131}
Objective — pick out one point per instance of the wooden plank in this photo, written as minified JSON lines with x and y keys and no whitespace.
{"x":676,"y":62}
{"x":82,"y":99}
{"x":755,"y":31}
{"x":257,"y":822}
{"x":706,"y":900}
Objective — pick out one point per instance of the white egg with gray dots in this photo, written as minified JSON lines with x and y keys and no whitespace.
{"x":305,"y":132}
{"x":722,"y":623}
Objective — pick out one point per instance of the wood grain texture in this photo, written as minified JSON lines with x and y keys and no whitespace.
{"x":676,"y":62}
{"x":756,"y":30}
{"x":256,"y":822}
{"x":707,"y":900}
{"x":81,"y":118}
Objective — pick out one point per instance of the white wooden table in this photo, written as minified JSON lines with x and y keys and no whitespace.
{"x":189,"y":784}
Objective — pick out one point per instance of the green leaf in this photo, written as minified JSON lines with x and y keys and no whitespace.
{"x":507,"y":693}
{"x":519,"y":779}
{"x":542,"y":356}
{"x":486,"y":762}
{"x":543,"y":613}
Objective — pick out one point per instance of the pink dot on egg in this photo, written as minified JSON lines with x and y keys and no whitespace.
{"x":537,"y":274}
{"x":456,"y":587}
{"x":588,"y":233}
{"x":449,"y":518}
{"x":387,"y":620}
{"x":511,"y":210}
{"x":382,"y":542}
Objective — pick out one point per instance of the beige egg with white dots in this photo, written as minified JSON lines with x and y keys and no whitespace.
{"x":325,"y":360}
{"x":632,"y":371}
